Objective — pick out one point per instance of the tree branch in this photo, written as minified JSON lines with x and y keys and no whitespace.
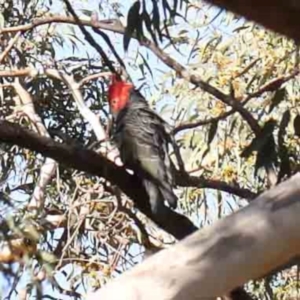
{"x":89,"y":37}
{"x":96,"y":164}
{"x":105,"y":146}
{"x":187,"y":181}
{"x":197,"y":81}
{"x":191,"y":125}
{"x":270,"y":86}
{"x":117,"y":27}
{"x":49,"y":166}
{"x":9,"y":46}
{"x":243,"y":246}
{"x":282,"y":16}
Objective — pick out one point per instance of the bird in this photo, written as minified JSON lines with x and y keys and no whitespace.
{"x":142,"y":138}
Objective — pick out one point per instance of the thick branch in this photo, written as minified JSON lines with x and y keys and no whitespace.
{"x":95,"y":164}
{"x":279,"y":15}
{"x":243,"y":246}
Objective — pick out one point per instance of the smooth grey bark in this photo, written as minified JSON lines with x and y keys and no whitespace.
{"x":215,"y":260}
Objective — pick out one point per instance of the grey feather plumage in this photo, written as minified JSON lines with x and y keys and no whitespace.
{"x":142,"y":138}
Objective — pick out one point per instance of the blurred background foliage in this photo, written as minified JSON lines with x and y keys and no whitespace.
{"x":80,"y":237}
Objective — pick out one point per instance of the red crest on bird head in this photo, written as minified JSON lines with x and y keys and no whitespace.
{"x":118,"y":94}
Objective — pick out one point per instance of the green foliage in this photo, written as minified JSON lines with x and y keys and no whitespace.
{"x":87,"y":231}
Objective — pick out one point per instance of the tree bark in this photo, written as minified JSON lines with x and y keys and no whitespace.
{"x":75,"y":156}
{"x":213,"y":261}
{"x":277,"y":15}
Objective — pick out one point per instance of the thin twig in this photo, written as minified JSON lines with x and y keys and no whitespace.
{"x":191,"y":125}
{"x":92,"y":77}
{"x":9,"y":46}
{"x":90,"y":39}
{"x":200,"y":182}
{"x":117,"y":27}
{"x":270,"y":86}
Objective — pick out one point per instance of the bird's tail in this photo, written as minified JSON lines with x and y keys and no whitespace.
{"x":168,"y":195}
{"x":158,"y":193}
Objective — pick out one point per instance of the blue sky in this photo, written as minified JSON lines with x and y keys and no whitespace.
{"x":158,"y":69}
